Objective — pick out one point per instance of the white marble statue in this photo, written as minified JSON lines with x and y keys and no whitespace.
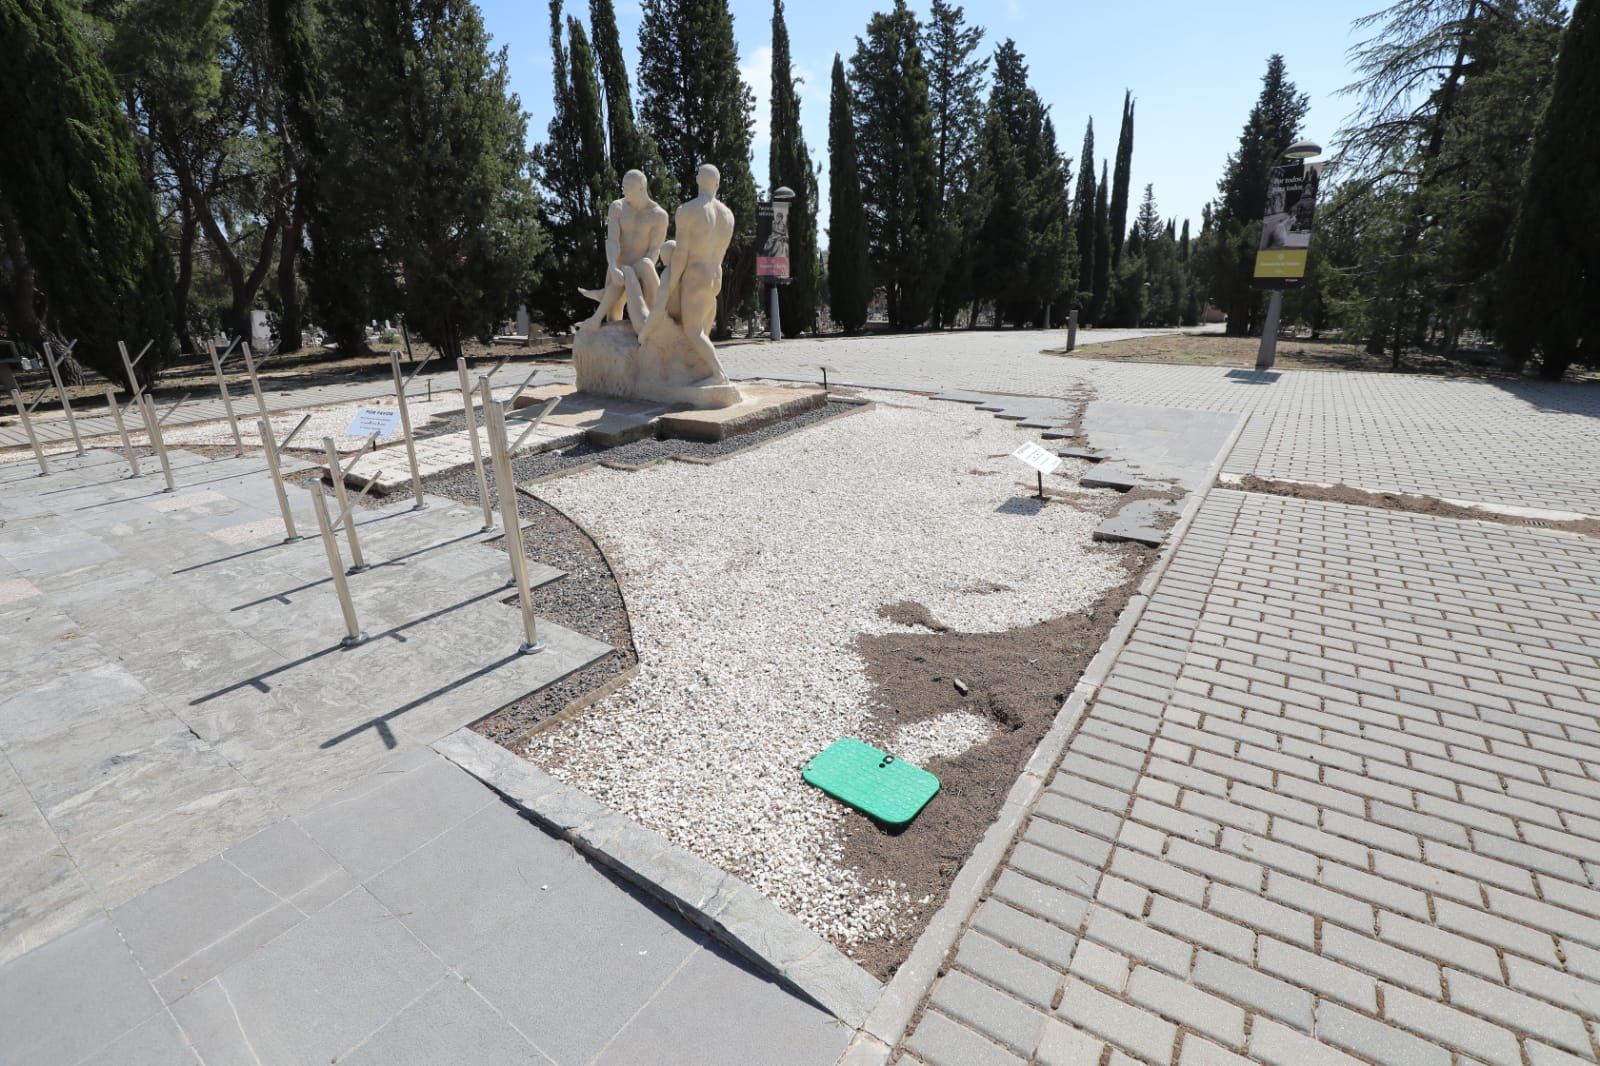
{"x":663,"y":351}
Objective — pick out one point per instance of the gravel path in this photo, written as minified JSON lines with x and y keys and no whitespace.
{"x":748,"y":583}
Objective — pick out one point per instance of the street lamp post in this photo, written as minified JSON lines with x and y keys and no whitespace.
{"x":1267,"y":354}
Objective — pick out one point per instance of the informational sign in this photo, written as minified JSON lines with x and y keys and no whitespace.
{"x":772,"y":241}
{"x":1037,"y":457}
{"x":1286,"y":226}
{"x":369,"y":420}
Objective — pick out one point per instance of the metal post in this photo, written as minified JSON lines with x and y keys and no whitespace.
{"x":1072,"y":330}
{"x":291,"y":534}
{"x":405,"y":424}
{"x":153,"y":425}
{"x":477,"y":450}
{"x":352,"y":628}
{"x":227,"y":400}
{"x":61,"y":391}
{"x":255,"y":382}
{"x":1268,"y":353}
{"x":116,"y":413}
{"x":772,"y":316}
{"x":494,"y":416}
{"x":357,"y":564}
{"x":27,"y":424}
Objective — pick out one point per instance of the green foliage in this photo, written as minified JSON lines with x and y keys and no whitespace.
{"x":1553,"y":277}
{"x":1120,"y":178}
{"x":849,"y":262}
{"x":1083,"y":213}
{"x":955,"y":96}
{"x":82,"y":209}
{"x":628,"y":146}
{"x":894,"y":135}
{"x":1101,"y":277}
{"x":790,"y":165}
{"x":699,"y":110}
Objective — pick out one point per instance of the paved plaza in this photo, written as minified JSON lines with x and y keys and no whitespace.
{"x":1337,"y":802}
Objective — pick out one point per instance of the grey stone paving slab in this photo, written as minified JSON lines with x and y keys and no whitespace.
{"x":1113,"y":475}
{"x":1141,"y":521}
{"x":448,"y":1021}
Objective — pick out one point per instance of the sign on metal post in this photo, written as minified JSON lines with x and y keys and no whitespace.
{"x":772,"y":240}
{"x":1286,"y":226}
{"x":374,"y":421}
{"x":1038,"y":458}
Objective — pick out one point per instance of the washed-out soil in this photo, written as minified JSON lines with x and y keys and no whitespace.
{"x":1401,"y":501}
{"x":1019,"y":678}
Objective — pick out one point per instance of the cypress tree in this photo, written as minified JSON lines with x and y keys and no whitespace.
{"x":894,"y":132}
{"x":955,"y":84}
{"x":1102,"y":247}
{"x":81,"y":206}
{"x":1003,"y":240}
{"x":1083,"y":214}
{"x":1553,"y":276}
{"x":849,"y":268}
{"x":628,"y":147}
{"x":790,"y":164}
{"x":1119,"y":182}
{"x":698,"y":110}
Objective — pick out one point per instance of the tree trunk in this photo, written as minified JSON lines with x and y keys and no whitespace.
{"x":25,"y":325}
{"x":180,"y":289}
{"x":291,"y":319}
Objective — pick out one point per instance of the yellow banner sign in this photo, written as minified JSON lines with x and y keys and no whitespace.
{"x":1283,"y":263}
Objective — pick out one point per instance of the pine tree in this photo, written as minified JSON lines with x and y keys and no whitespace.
{"x":698,"y":110}
{"x":1553,"y":276}
{"x":76,"y":195}
{"x":894,"y":134}
{"x":1122,"y":175}
{"x":955,"y":86}
{"x":849,"y":265}
{"x":1102,"y":247}
{"x":1273,"y":125}
{"x":1083,"y":217}
{"x":790,"y":164}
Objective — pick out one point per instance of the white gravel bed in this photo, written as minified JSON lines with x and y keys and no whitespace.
{"x":945,"y":736}
{"x":748,"y":583}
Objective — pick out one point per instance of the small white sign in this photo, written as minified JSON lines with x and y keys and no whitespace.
{"x":1037,"y":457}
{"x":369,"y":420}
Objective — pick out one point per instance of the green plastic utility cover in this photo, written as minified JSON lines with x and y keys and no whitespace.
{"x":875,"y":782}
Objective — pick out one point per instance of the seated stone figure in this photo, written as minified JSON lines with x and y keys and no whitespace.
{"x":635,"y":227}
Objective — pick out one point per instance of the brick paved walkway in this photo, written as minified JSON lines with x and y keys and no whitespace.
{"x":1339,"y":802}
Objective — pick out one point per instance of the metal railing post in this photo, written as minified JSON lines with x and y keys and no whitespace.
{"x":494,"y":416}
{"x":291,"y":534}
{"x":27,"y":425}
{"x":122,"y":429}
{"x":352,"y":628}
{"x":255,"y":381}
{"x":357,"y":564}
{"x":61,"y":391}
{"x":405,"y":425}
{"x":477,"y":450}
{"x":227,"y":400}
{"x":153,"y":427}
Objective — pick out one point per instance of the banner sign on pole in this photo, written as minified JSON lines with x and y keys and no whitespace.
{"x":1286,"y":226}
{"x":369,"y":420}
{"x":772,"y":240}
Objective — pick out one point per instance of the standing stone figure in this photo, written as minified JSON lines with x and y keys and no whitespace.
{"x":635,"y":227}
{"x":704,"y":231}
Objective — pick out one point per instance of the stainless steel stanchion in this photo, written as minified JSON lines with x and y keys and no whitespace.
{"x":27,"y":425}
{"x":405,"y":426}
{"x":352,"y":628}
{"x":227,"y":400}
{"x":357,"y":564}
{"x":533,"y":424}
{"x":494,"y":415}
{"x":290,"y":533}
{"x":153,"y":426}
{"x":477,"y":450}
{"x":255,"y":381}
{"x":61,"y":391}
{"x":122,"y":429}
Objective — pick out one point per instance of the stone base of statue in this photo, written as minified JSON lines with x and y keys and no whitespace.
{"x":610,"y":361}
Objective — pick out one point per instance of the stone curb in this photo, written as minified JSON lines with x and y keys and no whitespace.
{"x":892,"y":1013}
{"x":722,"y":904}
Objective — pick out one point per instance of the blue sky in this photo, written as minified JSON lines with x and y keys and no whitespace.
{"x":1194,"y":69}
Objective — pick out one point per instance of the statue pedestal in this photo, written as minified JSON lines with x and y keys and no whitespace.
{"x":610,"y":361}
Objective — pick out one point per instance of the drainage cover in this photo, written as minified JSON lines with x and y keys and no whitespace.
{"x":872,"y":781}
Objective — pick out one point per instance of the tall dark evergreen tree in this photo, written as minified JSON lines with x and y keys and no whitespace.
{"x":1102,"y":247}
{"x":1553,"y":276}
{"x":627,"y":146}
{"x":955,"y":88}
{"x":1121,"y":176}
{"x":1273,"y":125}
{"x":849,"y":262}
{"x":83,"y":215}
{"x":894,"y":133}
{"x":1083,"y":214}
{"x":699,"y":110}
{"x":789,"y":164}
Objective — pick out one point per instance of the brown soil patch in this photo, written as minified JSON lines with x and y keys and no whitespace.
{"x":912,"y":613}
{"x":1400,"y":501}
{"x":1019,"y":678}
